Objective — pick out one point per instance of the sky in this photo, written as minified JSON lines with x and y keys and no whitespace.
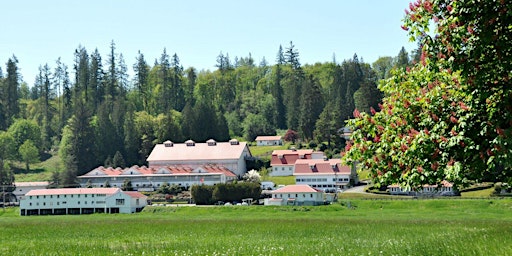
{"x":39,"y":32}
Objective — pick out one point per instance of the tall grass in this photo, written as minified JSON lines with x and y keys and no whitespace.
{"x":356,"y":227}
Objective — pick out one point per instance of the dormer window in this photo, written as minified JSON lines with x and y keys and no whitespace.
{"x":301,"y":156}
{"x":234,"y":142}
{"x":211,"y":142}
{"x":312,"y":166}
{"x":168,"y":144}
{"x":190,"y":143}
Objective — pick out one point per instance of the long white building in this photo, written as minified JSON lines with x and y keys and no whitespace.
{"x":81,"y":201}
{"x":149,"y":179}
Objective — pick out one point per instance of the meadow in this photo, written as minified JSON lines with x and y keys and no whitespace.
{"x":349,"y":227}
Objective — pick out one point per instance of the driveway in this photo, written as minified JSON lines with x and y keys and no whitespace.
{"x":356,"y":189}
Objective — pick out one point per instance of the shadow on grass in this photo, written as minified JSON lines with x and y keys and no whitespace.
{"x":24,"y":171}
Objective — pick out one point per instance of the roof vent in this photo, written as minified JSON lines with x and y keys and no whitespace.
{"x":293,"y":149}
{"x":234,"y":142}
{"x":168,"y":144}
{"x":211,"y":142}
{"x":190,"y":143}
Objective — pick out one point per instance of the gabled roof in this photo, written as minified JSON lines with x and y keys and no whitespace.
{"x":289,"y":156}
{"x":72,"y":191}
{"x":198,"y":151}
{"x":268,"y":138}
{"x":161,"y":170}
{"x":135,"y":194}
{"x":296,"y":189}
{"x":320,"y":166}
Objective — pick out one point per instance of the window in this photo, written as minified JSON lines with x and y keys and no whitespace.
{"x":119,"y":201}
{"x":51,"y":196}
{"x":137,"y":201}
{"x":78,"y":202}
{"x":85,"y":195}
{"x":310,"y":195}
{"x":30,"y":204}
{"x":30,"y":197}
{"x":44,"y":196}
{"x":37,"y":197}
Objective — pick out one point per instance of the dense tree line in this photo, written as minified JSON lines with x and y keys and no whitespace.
{"x":92,"y":113}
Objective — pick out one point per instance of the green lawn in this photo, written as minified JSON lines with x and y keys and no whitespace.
{"x":351,"y":227}
{"x":38,"y":172}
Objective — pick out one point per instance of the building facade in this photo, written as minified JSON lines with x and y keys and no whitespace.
{"x":80,"y":201}
{"x":269,"y":141}
{"x":328,"y":175}
{"x":296,"y":195}
{"x":283,"y":161}
{"x":149,"y":179}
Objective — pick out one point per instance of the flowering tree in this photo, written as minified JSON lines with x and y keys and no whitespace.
{"x":252,"y":176}
{"x":449,"y":117}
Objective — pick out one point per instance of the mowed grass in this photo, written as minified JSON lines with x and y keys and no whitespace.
{"x":356,"y":227}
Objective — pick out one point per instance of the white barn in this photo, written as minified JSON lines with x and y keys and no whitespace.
{"x":81,"y":201}
{"x":231,"y":155}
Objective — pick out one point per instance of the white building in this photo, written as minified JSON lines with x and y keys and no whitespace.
{"x":446,"y":189}
{"x":324,"y":174}
{"x":149,"y":179}
{"x":269,"y":141}
{"x":283,"y":161}
{"x":24,"y":187}
{"x":296,"y":195}
{"x":231,"y":155}
{"x":81,"y":201}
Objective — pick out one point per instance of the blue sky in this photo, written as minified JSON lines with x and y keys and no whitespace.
{"x":39,"y":32}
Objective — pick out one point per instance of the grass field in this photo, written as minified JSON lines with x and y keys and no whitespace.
{"x":355,"y":227}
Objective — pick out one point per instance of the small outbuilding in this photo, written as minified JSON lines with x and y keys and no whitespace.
{"x":269,"y":141}
{"x":296,"y":195}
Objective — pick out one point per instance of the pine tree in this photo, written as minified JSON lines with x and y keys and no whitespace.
{"x":97,"y":83}
{"x":177,"y":92}
{"x":141,"y":70}
{"x":311,"y":105}
{"x":277,"y":91}
{"x":10,"y":94}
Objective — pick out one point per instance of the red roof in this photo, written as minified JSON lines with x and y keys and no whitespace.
{"x":135,"y":194}
{"x":296,"y":189}
{"x":72,"y":191}
{"x":320,"y":166}
{"x":288,"y":157}
{"x":163,"y":170}
{"x":268,"y":138}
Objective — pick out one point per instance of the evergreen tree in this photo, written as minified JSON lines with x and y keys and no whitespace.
{"x":141,"y":70}
{"x":131,"y":142}
{"x":81,"y":86}
{"x":177,"y":93}
{"x":190,"y":85}
{"x":402,"y":60}
{"x":10,"y":94}
{"x":311,"y":105}
{"x":97,"y":82}
{"x":118,"y":160}
{"x":277,"y":91}
{"x":112,"y":82}
{"x":164,"y":81}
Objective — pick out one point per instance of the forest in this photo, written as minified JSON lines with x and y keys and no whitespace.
{"x":93,"y":113}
